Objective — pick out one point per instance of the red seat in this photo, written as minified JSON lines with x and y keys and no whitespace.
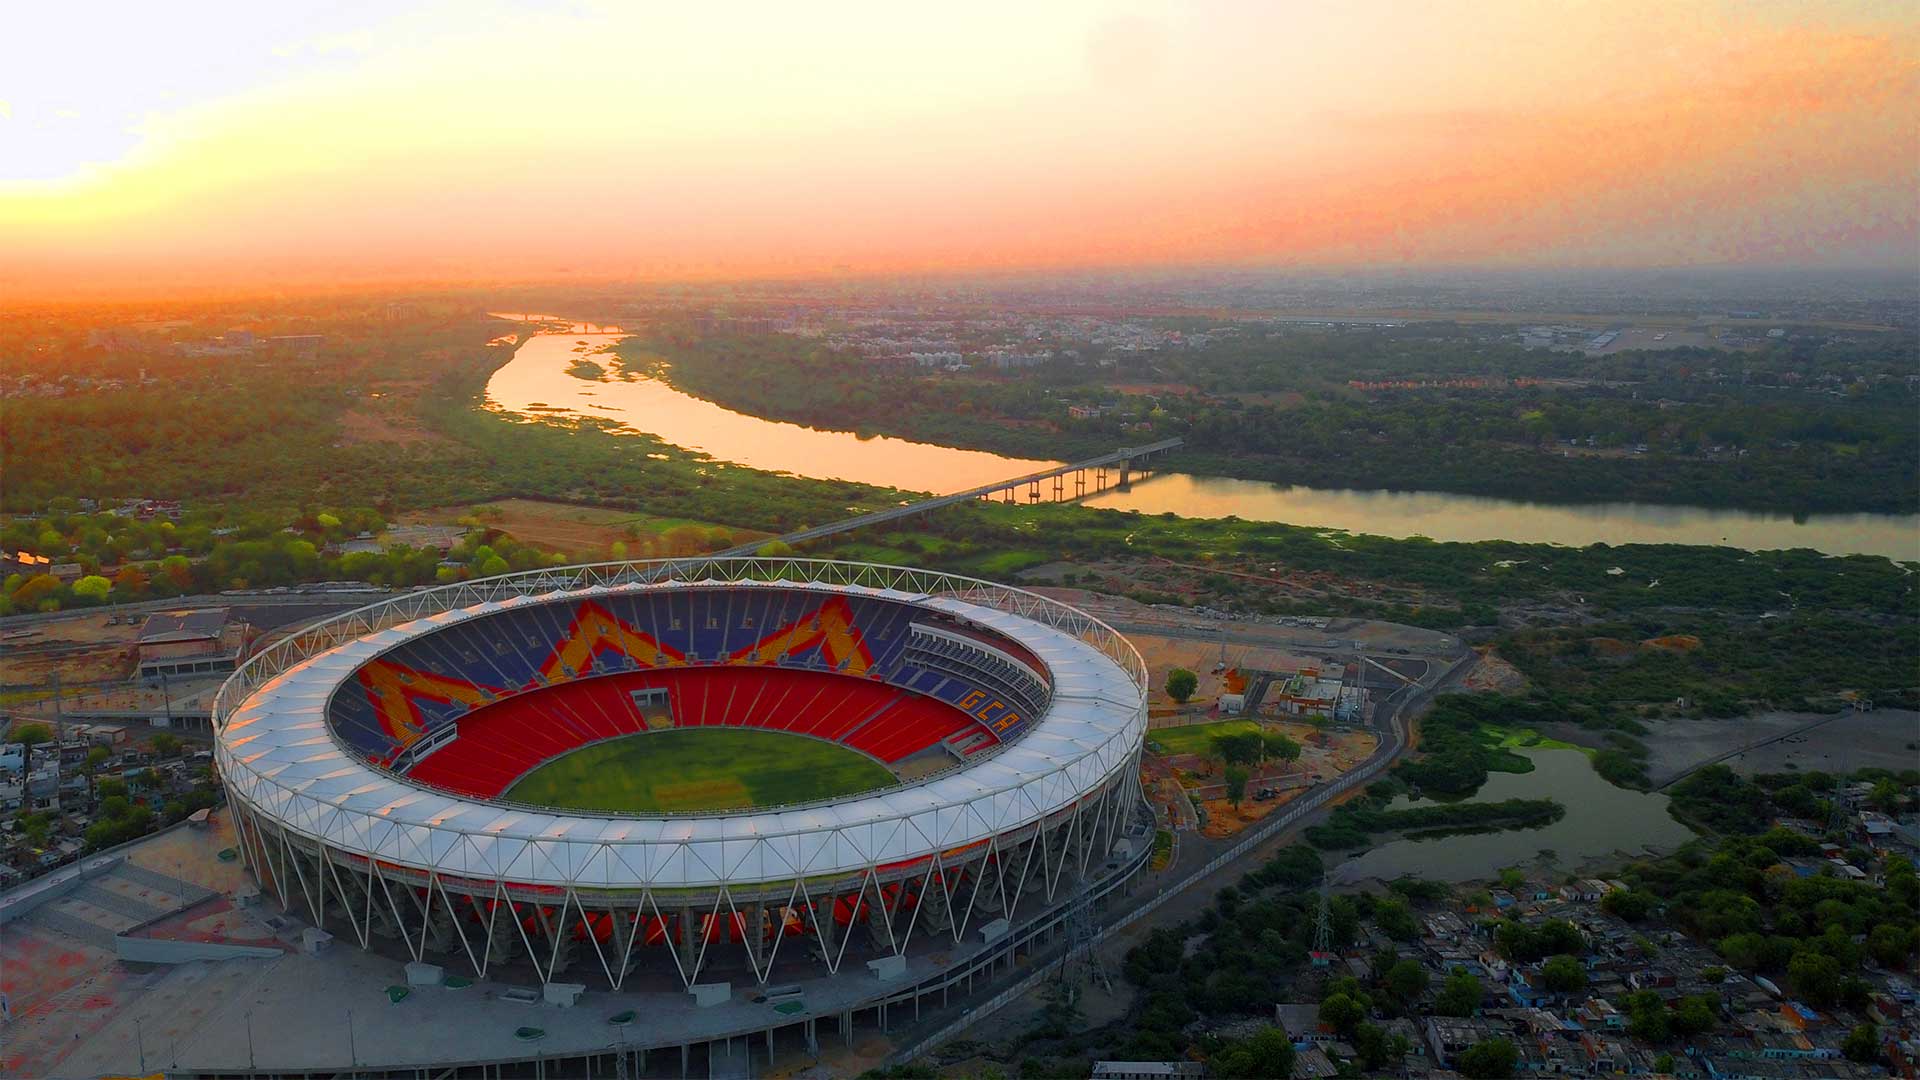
{"x":498,"y":743}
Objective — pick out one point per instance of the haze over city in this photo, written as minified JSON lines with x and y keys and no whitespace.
{"x":1065,"y":540}
{"x":222,"y":145}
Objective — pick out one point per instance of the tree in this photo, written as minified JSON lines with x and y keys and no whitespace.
{"x":1371,"y":1043}
{"x":1564,"y":975}
{"x":1244,"y":748}
{"x":1181,"y":684}
{"x":96,"y":757}
{"x":166,"y":744}
{"x":36,"y":827}
{"x":1663,"y":1063}
{"x":1395,"y":920}
{"x":1279,"y":746}
{"x":1756,"y":952}
{"x":179,"y":571}
{"x":1862,"y":1044}
{"x":1816,"y":977}
{"x":1265,"y":1055}
{"x":1886,"y":796}
{"x":775,"y":549}
{"x":1520,"y":942}
{"x":1512,"y":878}
{"x":1489,"y":1060}
{"x":1459,"y":995}
{"x":1236,"y":778}
{"x":93,"y":588}
{"x":1342,"y":1013}
{"x":1629,"y":904}
{"x":1406,"y":980}
{"x":1647,"y":1016}
{"x":1891,"y":946}
{"x":493,"y":566}
{"x":130,"y":581}
{"x":34,"y":590}
{"x":1697,"y":1014}
{"x":31,"y":735}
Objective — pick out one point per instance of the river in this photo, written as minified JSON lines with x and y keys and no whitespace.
{"x":535,"y":383}
{"x":1601,"y":820}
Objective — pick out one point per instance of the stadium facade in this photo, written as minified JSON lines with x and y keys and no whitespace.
{"x":368,"y":760}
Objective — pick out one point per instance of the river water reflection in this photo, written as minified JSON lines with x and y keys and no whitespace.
{"x":1601,"y":819}
{"x":535,"y":383}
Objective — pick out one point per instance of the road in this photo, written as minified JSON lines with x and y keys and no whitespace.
{"x":337,"y":601}
{"x":1738,"y":750}
{"x":1176,"y":902}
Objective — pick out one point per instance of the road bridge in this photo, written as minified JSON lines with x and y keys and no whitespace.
{"x":1120,"y":465}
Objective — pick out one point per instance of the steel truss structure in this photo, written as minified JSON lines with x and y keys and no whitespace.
{"x":629,"y":901}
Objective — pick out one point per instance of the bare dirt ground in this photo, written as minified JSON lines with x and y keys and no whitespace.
{"x":1163,"y":654}
{"x":80,"y":649}
{"x":1887,"y":739}
{"x":1494,"y":675}
{"x":64,"y":992}
{"x":869,"y":1051}
{"x":1224,"y":819}
{"x":1137,"y":619}
{"x":1323,"y":753}
{"x":587,"y":531}
{"x":378,"y":422}
{"x":1250,"y":577}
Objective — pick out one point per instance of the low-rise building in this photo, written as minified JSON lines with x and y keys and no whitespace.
{"x":1148,"y":1070}
{"x":175,"y":643}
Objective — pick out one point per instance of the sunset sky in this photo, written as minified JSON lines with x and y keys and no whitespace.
{"x":144,"y":145}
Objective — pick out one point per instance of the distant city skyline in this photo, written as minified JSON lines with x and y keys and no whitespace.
{"x":230,"y":146}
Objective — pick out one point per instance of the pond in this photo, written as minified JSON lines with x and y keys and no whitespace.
{"x":1601,"y":821}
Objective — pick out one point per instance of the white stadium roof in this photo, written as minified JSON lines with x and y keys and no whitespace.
{"x":279,"y":756}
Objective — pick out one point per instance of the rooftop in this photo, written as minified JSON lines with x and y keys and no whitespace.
{"x":183,"y":625}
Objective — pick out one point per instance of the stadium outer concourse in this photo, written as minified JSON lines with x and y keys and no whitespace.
{"x":368,"y":760}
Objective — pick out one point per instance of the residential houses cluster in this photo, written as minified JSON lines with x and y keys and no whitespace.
{"x":1760,"y":1032}
{"x":55,"y":783}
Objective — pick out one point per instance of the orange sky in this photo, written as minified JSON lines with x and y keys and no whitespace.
{"x":471,"y":140}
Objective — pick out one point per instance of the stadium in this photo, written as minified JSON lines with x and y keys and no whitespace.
{"x":834,"y":784}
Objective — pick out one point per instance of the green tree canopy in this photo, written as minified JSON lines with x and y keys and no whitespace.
{"x":1493,"y":1059}
{"x":1236,"y":779}
{"x":1265,"y":1055}
{"x":1862,"y":1044}
{"x":31,"y":734}
{"x":1564,"y":975}
{"x":1181,"y":684}
{"x":1459,"y":995}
